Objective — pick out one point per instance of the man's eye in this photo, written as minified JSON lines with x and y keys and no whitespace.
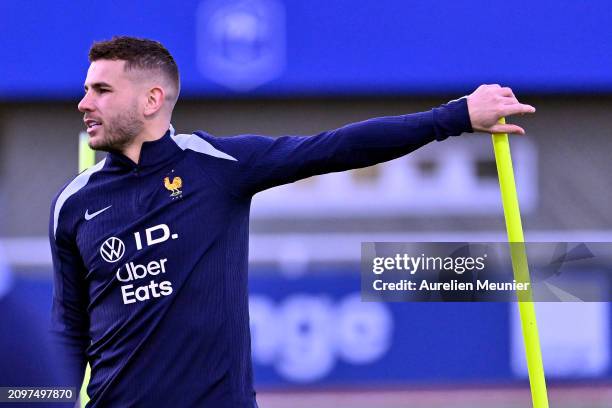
{"x":104,"y":90}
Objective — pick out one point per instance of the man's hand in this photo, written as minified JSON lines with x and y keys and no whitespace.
{"x":488,"y":103}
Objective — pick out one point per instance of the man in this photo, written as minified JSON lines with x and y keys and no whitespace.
{"x":150,"y":245}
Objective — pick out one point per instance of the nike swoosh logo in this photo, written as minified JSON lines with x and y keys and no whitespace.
{"x":89,"y":216}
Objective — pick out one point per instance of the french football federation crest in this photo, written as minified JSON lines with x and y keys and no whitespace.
{"x":174,"y":184}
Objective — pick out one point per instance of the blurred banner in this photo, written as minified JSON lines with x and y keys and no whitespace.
{"x":314,"y":331}
{"x":296,"y":48}
{"x":311,"y":331}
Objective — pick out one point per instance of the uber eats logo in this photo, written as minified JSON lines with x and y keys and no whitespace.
{"x":135,"y":274}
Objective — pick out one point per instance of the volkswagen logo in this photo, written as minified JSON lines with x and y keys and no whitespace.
{"x":112,"y":249}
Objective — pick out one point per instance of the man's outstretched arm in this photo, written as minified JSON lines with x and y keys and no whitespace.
{"x":264,"y":162}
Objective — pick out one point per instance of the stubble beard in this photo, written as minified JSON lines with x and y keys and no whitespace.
{"x":119,"y":132}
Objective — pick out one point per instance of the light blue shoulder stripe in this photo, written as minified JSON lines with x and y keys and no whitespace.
{"x":75,"y":185}
{"x":197,"y":144}
{"x":6,"y":279}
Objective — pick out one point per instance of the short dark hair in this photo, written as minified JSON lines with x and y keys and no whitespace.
{"x":139,"y":53}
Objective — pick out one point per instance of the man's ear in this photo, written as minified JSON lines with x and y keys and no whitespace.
{"x":155,"y":100}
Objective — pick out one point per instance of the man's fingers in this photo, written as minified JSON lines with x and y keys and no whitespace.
{"x":507,"y":128}
{"x":505,"y":91}
{"x":510,"y":100}
{"x":518,"y":108}
{"x":490,"y":102}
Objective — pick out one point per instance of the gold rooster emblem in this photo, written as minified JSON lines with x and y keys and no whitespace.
{"x":174,"y":185}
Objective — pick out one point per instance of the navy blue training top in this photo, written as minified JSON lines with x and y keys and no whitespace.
{"x":150,"y":259}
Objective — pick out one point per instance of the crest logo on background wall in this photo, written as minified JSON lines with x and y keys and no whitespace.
{"x":241,"y":44}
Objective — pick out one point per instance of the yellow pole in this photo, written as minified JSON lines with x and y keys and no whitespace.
{"x":87,"y":158}
{"x":520,"y":267}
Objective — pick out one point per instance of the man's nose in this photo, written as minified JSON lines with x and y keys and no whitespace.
{"x":85,"y":105}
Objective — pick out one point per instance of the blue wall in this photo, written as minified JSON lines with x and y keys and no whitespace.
{"x":226,"y":48}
